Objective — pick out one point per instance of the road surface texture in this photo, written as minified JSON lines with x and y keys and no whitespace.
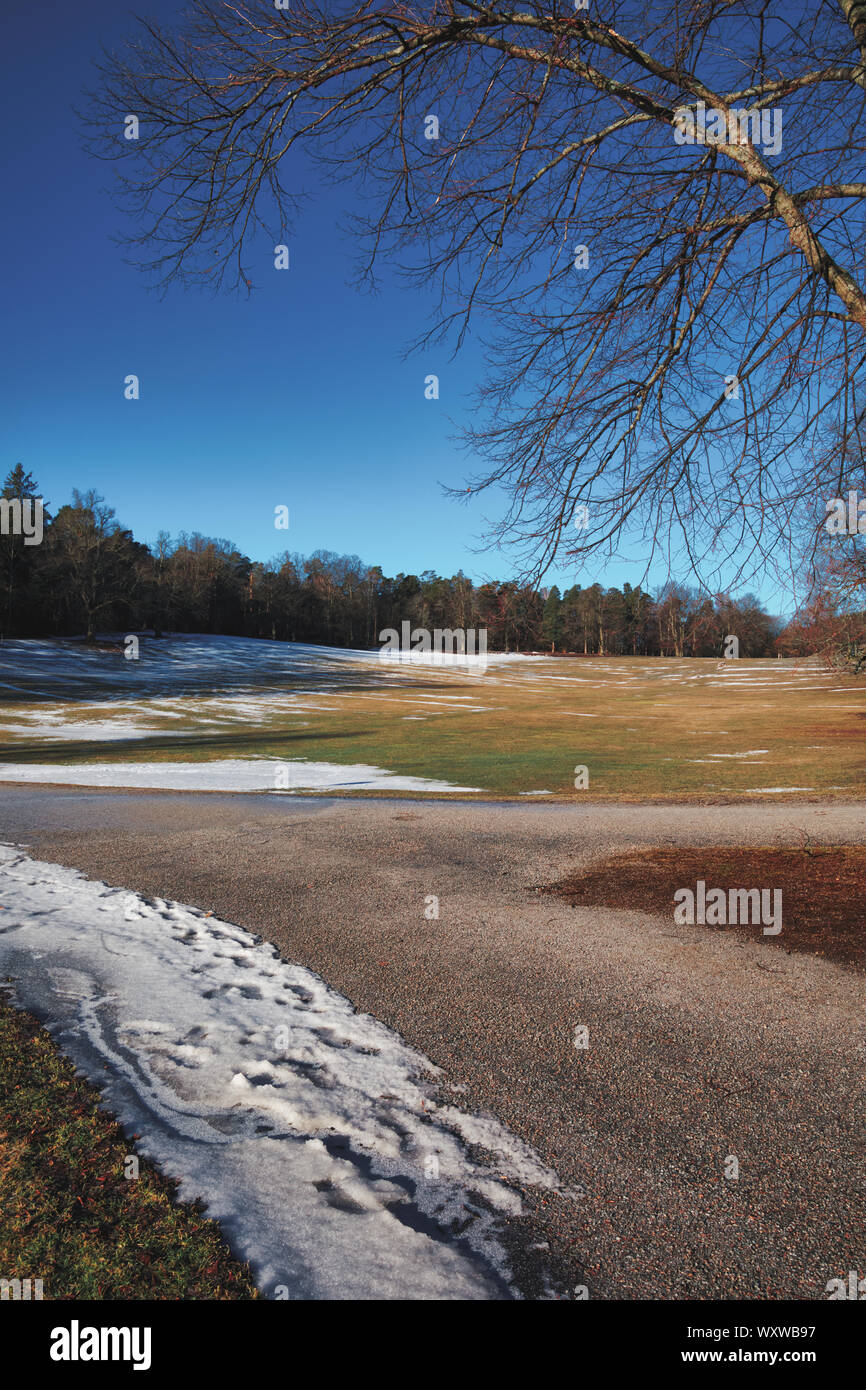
{"x":702,"y":1046}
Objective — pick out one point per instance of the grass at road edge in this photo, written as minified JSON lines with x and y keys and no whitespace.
{"x":68,"y":1215}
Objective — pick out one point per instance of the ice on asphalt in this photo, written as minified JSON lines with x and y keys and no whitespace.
{"x":314,"y":1134}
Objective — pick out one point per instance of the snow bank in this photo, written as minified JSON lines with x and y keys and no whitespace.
{"x":310,"y":1131}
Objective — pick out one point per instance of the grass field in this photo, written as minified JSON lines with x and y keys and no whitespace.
{"x":643,"y":728}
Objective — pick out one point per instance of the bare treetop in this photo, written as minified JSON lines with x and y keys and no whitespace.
{"x":653,"y":212}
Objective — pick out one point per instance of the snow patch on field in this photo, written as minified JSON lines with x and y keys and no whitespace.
{"x":90,"y":731}
{"x":190,"y":662}
{"x":784,"y":789}
{"x":312,"y":1133}
{"x":226,"y":775}
{"x":749,"y":753}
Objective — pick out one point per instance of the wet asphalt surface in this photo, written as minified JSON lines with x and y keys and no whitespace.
{"x":702,"y":1047}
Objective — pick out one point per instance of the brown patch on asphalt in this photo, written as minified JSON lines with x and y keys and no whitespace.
{"x":823,"y":900}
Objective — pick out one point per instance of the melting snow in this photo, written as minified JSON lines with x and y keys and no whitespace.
{"x":749,"y":753}
{"x":311,"y":1132}
{"x":782,"y":789}
{"x":226,"y":775}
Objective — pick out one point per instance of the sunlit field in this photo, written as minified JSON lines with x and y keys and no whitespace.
{"x":217,"y":713}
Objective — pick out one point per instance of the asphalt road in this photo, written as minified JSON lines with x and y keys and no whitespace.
{"x":702,"y":1046}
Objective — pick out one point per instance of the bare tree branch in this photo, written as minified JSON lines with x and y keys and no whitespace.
{"x":681,"y":375}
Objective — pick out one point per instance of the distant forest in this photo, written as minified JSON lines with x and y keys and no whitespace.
{"x":89,"y":575}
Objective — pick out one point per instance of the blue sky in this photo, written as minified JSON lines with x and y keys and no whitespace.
{"x":299,"y":395}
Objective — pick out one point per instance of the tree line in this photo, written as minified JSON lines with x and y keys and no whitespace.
{"x":89,"y":574}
